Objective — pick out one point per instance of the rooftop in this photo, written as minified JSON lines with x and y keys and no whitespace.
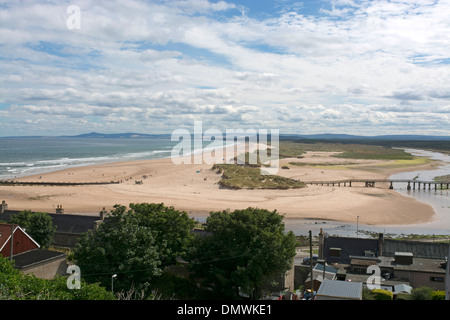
{"x":340,"y":289}
{"x":36,"y":256}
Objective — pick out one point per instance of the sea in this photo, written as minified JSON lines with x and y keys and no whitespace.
{"x":24,"y":156}
{"x":21,"y":157}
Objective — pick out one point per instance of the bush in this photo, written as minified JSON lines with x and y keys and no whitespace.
{"x":15,"y":285}
{"x":422,"y":293}
{"x":438,"y":295}
{"x":403,"y":296}
{"x":380,"y":294}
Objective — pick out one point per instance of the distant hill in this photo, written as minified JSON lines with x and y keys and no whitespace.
{"x":97,"y":135}
{"x":331,"y":136}
{"x":322,"y":137}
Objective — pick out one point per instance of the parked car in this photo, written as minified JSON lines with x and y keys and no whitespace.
{"x":306,"y":259}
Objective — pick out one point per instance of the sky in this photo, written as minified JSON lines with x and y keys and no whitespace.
{"x":304,"y":67}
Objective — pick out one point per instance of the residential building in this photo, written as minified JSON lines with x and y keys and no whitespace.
{"x":411,"y":263}
{"x":27,"y":254}
{"x":21,"y":241}
{"x":69,"y":227}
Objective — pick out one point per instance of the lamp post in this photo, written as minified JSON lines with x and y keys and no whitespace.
{"x":357,"y":226}
{"x":112,"y":282}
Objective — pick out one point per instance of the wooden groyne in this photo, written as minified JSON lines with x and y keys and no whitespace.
{"x":411,"y":184}
{"x":42,"y":183}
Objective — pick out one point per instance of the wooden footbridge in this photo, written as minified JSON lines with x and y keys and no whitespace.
{"x":411,"y":184}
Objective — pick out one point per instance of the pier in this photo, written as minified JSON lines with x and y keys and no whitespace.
{"x":411,"y":184}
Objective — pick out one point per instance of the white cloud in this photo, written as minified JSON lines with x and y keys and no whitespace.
{"x":360,"y":65}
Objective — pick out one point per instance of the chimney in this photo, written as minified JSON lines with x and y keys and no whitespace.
{"x":404,"y":258}
{"x":3,"y":207}
{"x":103,"y":214}
{"x":59,"y":208}
{"x":380,"y":244}
{"x":321,"y":244}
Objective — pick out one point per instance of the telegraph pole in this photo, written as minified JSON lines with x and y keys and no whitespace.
{"x":12,"y":242}
{"x":311,"y":263}
{"x":447,"y":277}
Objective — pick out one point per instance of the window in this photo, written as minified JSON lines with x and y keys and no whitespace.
{"x":437,"y":279}
{"x":335,"y":252}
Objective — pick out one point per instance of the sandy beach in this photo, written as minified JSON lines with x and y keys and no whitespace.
{"x":194,"y":188}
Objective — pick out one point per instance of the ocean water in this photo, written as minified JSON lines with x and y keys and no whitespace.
{"x":27,"y":156}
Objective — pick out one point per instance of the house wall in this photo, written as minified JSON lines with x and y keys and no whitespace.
{"x":419,"y":279}
{"x":49,"y":269}
{"x":22,"y":243}
{"x":65,"y":239}
{"x":289,"y":282}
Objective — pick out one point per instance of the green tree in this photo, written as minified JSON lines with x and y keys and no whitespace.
{"x":22,"y":219}
{"x":38,"y":225}
{"x":122,"y":246}
{"x":172,"y":229}
{"x":245,"y":250}
{"x":15,"y":285}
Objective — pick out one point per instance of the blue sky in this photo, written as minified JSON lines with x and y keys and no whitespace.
{"x":339,"y":66}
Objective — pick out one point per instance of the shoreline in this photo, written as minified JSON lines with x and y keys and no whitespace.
{"x":193,"y":188}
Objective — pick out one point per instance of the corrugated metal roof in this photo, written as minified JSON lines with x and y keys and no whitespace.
{"x":340,"y":289}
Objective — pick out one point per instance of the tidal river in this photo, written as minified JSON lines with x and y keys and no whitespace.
{"x":438,"y":199}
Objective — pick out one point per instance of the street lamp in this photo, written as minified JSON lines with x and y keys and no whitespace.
{"x":112,"y":282}
{"x":357,"y":225}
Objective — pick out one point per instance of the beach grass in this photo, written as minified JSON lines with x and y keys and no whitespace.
{"x":374,"y":153}
{"x":292,"y":149}
{"x":322,"y":165}
{"x":249,"y":177}
{"x":443,"y":179}
{"x":402,"y":163}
